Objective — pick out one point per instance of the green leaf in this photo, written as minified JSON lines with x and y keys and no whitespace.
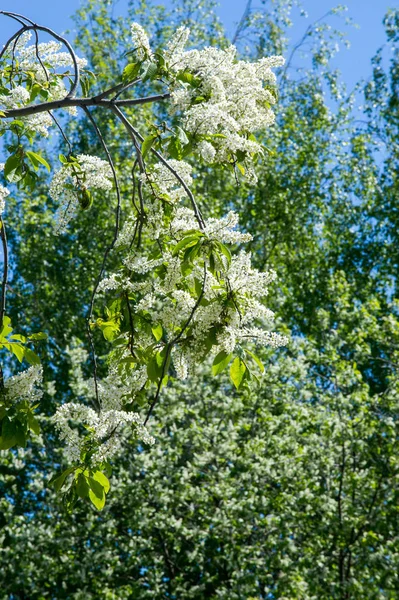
{"x":110,"y":329}
{"x":181,"y":134}
{"x":33,"y":423}
{"x":147,"y":144}
{"x":103,"y":480}
{"x":212,"y":265}
{"x":241,"y":168}
{"x":157,"y":331}
{"x":191,"y":252}
{"x":8,"y":431}
{"x":220,"y":362}
{"x":36,"y":159}
{"x":130,"y":72}
{"x":188,"y":241}
{"x":38,"y":336}
{"x":189,"y":78}
{"x":13,"y":168}
{"x":82,"y":487}
{"x":151,"y":72}
{"x":18,"y":337}
{"x":175,"y":148}
{"x":17,"y":349}
{"x":36,"y":89}
{"x":6,"y":328}
{"x":237,"y":372}
{"x":96,"y":493}
{"x":225,"y":251}
{"x":257,"y":360}
{"x":31,"y":357}
{"x":154,"y":371}
{"x":57,"y":481}
{"x":20,"y":434}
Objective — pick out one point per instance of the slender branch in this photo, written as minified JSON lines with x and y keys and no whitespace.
{"x":134,"y":133}
{"x":3,"y":236}
{"x":66,"y":140}
{"x":118,"y":88}
{"x":242,"y":22}
{"x":107,"y":251}
{"x":15,"y":36}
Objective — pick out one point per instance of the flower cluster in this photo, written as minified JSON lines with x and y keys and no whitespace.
{"x":102,"y":433}
{"x":72,"y":183}
{"x":48,"y":75}
{"x":223,"y":100}
{"x":140,"y":42}
{"x":198,"y":296}
{"x":25,"y":386}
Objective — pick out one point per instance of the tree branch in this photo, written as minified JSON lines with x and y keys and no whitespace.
{"x":67,"y":102}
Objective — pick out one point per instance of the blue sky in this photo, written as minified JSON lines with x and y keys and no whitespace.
{"x":354,"y":63}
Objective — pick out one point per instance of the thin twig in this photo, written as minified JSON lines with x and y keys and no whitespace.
{"x":107,"y":251}
{"x":3,"y":236}
{"x":134,"y":133}
{"x":62,"y":132}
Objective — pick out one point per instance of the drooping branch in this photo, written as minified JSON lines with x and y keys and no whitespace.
{"x":34,"y":27}
{"x":3,"y":236}
{"x":108,"y":249}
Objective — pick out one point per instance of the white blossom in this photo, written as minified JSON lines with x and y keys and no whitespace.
{"x":237,"y":98}
{"x":72,"y":179}
{"x":140,"y":41}
{"x":25,"y":386}
{"x":106,"y":430}
{"x":166,"y":182}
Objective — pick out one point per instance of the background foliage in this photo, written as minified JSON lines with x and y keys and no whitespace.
{"x":290,"y":491}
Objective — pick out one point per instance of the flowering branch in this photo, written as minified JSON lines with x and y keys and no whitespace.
{"x":182,"y":291}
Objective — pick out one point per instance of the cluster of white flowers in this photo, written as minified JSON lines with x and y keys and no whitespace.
{"x":18,"y":97}
{"x":228,"y":101}
{"x":3,"y":193}
{"x":140,"y":42}
{"x":50,"y":55}
{"x":82,"y":428}
{"x":103,"y":431}
{"x":165,"y":182}
{"x":25,"y":386}
{"x":231,"y":297}
{"x":46,"y":73}
{"x":75,"y":179}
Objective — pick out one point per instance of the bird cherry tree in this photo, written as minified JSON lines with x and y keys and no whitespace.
{"x":185,"y":290}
